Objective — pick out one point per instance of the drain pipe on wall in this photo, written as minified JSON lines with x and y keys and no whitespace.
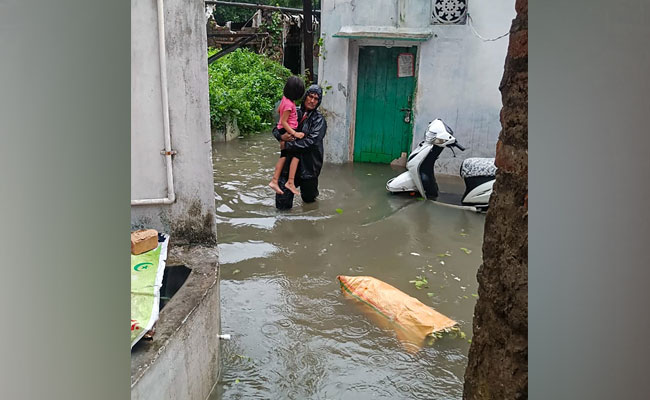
{"x":167,"y":152}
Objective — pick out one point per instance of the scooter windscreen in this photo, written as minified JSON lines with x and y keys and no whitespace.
{"x":439,"y":134}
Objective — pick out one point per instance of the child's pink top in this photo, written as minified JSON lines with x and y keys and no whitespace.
{"x":286,"y":104}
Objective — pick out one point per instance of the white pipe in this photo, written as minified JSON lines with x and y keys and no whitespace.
{"x":171,"y":196}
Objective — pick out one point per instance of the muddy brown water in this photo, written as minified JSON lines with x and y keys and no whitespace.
{"x":294,"y":334}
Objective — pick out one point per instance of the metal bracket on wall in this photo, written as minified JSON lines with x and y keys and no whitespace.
{"x":168,"y":153}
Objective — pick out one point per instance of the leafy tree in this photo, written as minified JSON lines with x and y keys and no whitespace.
{"x":245,"y":85}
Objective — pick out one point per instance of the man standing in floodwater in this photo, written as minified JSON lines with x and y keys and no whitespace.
{"x":309,"y":149}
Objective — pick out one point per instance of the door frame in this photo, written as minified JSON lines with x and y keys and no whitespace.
{"x":353,"y":53}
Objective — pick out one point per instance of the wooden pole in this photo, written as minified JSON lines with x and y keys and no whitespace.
{"x":257,"y":6}
{"x":308,"y":39}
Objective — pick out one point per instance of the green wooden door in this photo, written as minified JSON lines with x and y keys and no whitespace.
{"x":381,"y":134}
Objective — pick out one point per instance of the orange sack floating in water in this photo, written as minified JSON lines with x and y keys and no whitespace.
{"x":416,"y":318}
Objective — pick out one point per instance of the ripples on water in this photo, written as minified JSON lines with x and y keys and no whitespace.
{"x":294,"y":334}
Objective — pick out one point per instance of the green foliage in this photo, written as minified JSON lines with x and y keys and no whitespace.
{"x":274,"y":29}
{"x":326,"y":87}
{"x":321,"y":46}
{"x":245,"y":85}
{"x":420,"y":282}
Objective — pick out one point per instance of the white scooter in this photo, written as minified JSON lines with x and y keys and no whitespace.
{"x":479,"y":174}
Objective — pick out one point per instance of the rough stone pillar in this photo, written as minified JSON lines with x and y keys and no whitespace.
{"x":498,"y":355}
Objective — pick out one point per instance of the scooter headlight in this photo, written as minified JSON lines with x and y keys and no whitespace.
{"x":438,"y":141}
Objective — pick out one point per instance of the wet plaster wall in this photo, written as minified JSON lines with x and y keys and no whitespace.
{"x":334,"y":78}
{"x":182,"y":361}
{"x":457,"y":73}
{"x":191,"y":217}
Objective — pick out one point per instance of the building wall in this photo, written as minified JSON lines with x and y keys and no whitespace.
{"x":182,"y":360}
{"x":458,"y":74}
{"x":191,"y":217}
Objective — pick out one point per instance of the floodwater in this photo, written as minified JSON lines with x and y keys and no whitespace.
{"x":295,"y":335}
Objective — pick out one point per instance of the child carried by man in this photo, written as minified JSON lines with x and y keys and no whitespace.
{"x":293,"y":90}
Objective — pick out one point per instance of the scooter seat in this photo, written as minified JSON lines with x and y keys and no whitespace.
{"x":476,"y":166}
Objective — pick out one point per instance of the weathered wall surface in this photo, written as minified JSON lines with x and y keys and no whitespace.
{"x":498,"y":356}
{"x":457,"y":74}
{"x":191,"y":217}
{"x":458,"y":82}
{"x":334,"y":71}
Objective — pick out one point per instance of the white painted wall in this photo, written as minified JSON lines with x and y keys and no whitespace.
{"x":459,"y":80}
{"x":458,"y":74}
{"x":191,"y":217}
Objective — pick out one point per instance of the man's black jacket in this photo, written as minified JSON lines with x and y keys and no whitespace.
{"x":310,"y":148}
